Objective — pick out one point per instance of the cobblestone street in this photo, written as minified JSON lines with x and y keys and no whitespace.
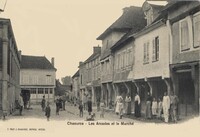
{"x":71,"y":113}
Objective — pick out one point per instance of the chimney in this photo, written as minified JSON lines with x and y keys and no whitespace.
{"x":20,"y":54}
{"x":96,"y":49}
{"x":52,"y":61}
{"x":125,"y":10}
{"x":80,"y":63}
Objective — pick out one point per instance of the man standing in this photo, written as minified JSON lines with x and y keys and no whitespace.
{"x":166,"y":106}
{"x":20,"y":104}
{"x":174,"y":107}
{"x":89,"y":103}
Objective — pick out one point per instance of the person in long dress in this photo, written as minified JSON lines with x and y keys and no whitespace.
{"x":160,"y":108}
{"x":117,"y":104}
{"x":154,"y":107}
{"x":148,"y":106}
{"x":137,"y":105}
{"x":121,"y":107}
{"x":128,"y":104}
{"x":166,"y":107}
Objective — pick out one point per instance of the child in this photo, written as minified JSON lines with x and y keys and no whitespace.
{"x":90,"y":117}
{"x":80,"y":109}
{"x":43,"y":103}
{"x":159,"y":108}
{"x":154,"y":107}
{"x":48,"y":111}
{"x":102,"y":108}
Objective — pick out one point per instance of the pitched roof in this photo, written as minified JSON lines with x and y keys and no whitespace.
{"x":93,"y":56}
{"x":36,"y":62}
{"x":76,"y":74}
{"x":133,"y":17}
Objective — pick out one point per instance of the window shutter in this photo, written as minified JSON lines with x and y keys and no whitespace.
{"x":197,"y":31}
{"x":157,"y":48}
{"x":184,"y":35}
{"x":154,"y":50}
{"x":144,"y":58}
{"x":147,"y":51}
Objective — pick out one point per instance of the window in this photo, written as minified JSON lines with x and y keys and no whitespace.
{"x":1,"y":54}
{"x":107,"y":43}
{"x":40,"y":91}
{"x":146,"y":53}
{"x":46,"y":90}
{"x":34,"y":79}
{"x":51,"y":91}
{"x":48,"y":80}
{"x":196,"y":25}
{"x":25,"y":79}
{"x":33,"y":90}
{"x":155,"y":43}
{"x":184,"y":35}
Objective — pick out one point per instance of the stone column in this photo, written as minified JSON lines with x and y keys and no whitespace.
{"x":4,"y":71}
{"x":137,"y":85}
{"x":150,"y":83}
{"x":195,"y":78}
{"x":169,"y":86}
{"x":93,"y":101}
{"x":175,"y":82}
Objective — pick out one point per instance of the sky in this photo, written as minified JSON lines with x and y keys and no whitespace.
{"x":63,"y":29}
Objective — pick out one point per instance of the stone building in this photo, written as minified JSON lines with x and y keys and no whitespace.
{"x":89,"y":76}
{"x":131,"y":16}
{"x":37,"y":78}
{"x":9,"y":68}
{"x":184,"y":21}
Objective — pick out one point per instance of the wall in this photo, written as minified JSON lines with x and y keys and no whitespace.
{"x":37,"y":77}
{"x":107,"y":63}
{"x":152,"y":69}
{"x":34,"y":79}
{"x":193,"y":54}
{"x":123,"y":62}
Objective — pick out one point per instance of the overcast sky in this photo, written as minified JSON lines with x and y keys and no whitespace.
{"x":64,"y":29}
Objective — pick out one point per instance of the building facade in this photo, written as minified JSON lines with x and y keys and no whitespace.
{"x":89,"y":76}
{"x":184,"y":18}
{"x":130,"y":17}
{"x":37,"y":78}
{"x":75,"y":85}
{"x":9,"y":68}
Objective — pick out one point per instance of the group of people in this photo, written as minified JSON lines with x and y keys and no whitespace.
{"x":121,"y":108}
{"x":86,"y":104}
{"x":165,"y":107}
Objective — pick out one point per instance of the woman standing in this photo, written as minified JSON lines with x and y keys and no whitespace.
{"x":89,"y":103}
{"x":121,"y":107}
{"x":148,"y":106}
{"x":137,"y":105}
{"x":128,"y":104}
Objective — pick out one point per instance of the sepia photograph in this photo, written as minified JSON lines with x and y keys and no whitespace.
{"x":99,"y":68}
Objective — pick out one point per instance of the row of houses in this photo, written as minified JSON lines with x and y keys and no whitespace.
{"x":153,"y":49}
{"x":31,"y":76}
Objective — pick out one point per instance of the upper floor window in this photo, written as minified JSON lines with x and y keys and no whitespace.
{"x":184,"y":35}
{"x":196,"y":25}
{"x":146,"y":53}
{"x":155,"y":56}
{"x":107,"y":44}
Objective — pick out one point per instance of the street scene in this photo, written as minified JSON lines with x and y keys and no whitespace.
{"x":144,"y":68}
